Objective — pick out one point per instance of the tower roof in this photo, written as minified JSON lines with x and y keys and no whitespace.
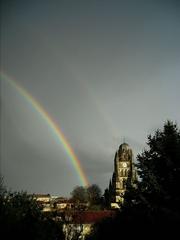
{"x":124,"y":147}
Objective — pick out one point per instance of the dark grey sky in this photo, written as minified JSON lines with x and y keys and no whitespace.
{"x":104,"y":70}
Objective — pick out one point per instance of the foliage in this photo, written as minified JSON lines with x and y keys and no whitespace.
{"x":79,"y":194}
{"x":157,"y":195}
{"x":91,"y":195}
{"x":22,"y":218}
{"x":159,"y":170}
{"x":106,"y":196}
{"x":94,"y":194}
{"x":3,"y":190}
{"x":152,"y":205}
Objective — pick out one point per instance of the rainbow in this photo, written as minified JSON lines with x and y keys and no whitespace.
{"x":57,"y":131}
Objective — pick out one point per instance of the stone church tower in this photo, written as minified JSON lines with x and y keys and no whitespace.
{"x":123,"y":170}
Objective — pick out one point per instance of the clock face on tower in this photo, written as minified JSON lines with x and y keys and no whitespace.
{"x":124,"y":164}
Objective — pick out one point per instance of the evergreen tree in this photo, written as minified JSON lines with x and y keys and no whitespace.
{"x":152,"y":205}
{"x":106,"y":196}
{"x":156,"y":200}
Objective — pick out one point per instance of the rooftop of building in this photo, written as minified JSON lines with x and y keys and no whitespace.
{"x":86,"y":217}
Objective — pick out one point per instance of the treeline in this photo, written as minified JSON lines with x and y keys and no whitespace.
{"x":21,"y":218}
{"x":92,"y":195}
{"x":152,"y":208}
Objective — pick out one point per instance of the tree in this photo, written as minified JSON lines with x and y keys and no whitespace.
{"x":91,"y":195}
{"x":159,"y":171}
{"x":79,"y":194}
{"x":94,"y":194}
{"x":21,"y":218}
{"x":107,"y":198}
{"x":156,"y":200}
{"x":153,"y":206}
{"x":3,"y":190}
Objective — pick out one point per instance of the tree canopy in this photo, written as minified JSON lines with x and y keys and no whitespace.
{"x":153,"y":204}
{"x":94,"y":194}
{"x":21,"y":218}
{"x":91,"y":195}
{"x":159,"y":171}
{"x":79,"y":194}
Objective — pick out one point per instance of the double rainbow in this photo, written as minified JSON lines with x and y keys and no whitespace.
{"x":57,"y":131}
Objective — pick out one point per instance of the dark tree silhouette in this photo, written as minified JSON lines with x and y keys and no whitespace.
{"x":91,"y":195}
{"x":21,"y":218}
{"x":79,"y":194}
{"x":152,"y":206}
{"x":107,"y":198}
{"x":94,"y":194}
{"x":159,"y":171}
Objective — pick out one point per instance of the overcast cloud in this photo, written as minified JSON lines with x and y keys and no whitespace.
{"x":104,"y":70}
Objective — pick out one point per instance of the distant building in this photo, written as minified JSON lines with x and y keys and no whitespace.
{"x":61,"y":203}
{"x":123,"y":170}
{"x":44,"y":200}
{"x":81,"y":223}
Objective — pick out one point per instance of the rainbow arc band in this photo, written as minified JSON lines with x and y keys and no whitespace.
{"x":57,"y":131}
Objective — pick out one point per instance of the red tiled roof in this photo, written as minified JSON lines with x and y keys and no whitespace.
{"x":91,"y":216}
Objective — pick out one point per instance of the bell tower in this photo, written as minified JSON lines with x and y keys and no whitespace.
{"x":123,"y":169}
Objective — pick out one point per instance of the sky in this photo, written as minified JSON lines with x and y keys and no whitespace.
{"x":105,"y":71}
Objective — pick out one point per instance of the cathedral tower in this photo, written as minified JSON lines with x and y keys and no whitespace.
{"x":123,"y":169}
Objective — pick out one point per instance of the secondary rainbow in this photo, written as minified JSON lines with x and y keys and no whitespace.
{"x":57,"y":131}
